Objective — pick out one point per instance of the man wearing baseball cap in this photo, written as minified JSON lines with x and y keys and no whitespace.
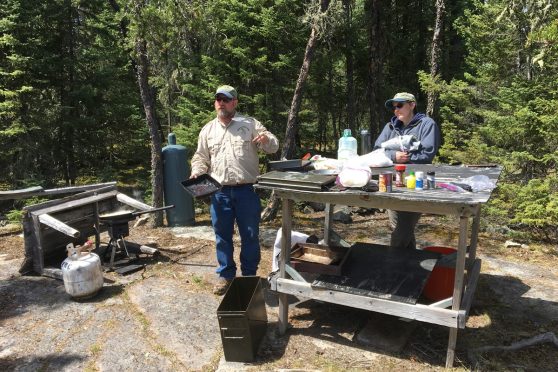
{"x":406,"y":121}
{"x":228,"y":151}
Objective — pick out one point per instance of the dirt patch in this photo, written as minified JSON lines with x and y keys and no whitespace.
{"x":146,"y":313}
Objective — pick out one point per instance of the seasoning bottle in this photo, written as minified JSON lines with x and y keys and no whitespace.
{"x":400,"y":175}
{"x":411,"y":180}
{"x":431,"y":180}
{"x":419,"y":180}
{"x":385,"y":180}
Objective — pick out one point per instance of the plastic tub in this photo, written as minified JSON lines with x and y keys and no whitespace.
{"x":440,"y":283}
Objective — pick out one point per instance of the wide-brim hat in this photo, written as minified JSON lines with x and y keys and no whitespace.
{"x":400,"y":97}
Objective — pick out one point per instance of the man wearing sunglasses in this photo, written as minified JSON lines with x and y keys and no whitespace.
{"x":406,"y":121}
{"x":228,"y":151}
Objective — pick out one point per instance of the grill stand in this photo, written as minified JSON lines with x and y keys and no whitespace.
{"x":117,"y":228}
{"x":117,"y":231}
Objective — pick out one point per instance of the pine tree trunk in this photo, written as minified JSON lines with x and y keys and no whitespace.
{"x":349,"y":67}
{"x":374,"y":67}
{"x":289,"y":146}
{"x":435,"y":55}
{"x":148,"y":101}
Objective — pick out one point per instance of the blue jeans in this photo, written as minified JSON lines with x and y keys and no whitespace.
{"x":240,"y":204}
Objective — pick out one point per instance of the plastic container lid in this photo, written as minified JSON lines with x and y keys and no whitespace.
{"x":400,"y":167}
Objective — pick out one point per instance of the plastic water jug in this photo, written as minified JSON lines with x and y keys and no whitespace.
{"x":348,"y":146}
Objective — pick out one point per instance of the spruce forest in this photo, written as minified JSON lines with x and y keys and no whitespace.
{"x":89,"y":90}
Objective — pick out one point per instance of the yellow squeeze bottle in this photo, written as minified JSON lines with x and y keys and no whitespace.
{"x":411,"y":180}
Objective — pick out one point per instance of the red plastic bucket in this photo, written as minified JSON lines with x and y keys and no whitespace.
{"x":440,"y":283}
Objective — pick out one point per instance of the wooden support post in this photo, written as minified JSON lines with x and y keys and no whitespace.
{"x":470,"y":289}
{"x":38,"y":259}
{"x":125,"y":199}
{"x":30,"y":244}
{"x":475,"y":235}
{"x":58,"y":225}
{"x":458,"y":285}
{"x":285,"y":255}
{"x":97,"y":224}
{"x":327,"y":224}
{"x":451,"y":347}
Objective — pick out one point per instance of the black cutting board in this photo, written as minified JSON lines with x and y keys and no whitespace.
{"x":383,"y":272}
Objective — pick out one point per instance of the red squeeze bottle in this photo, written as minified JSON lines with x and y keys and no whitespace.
{"x":400,"y":175}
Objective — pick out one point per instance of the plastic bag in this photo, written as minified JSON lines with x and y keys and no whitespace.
{"x":354,"y":175}
{"x":407,"y":142}
{"x":319,"y":162}
{"x":296,"y":237}
{"x":375,"y":159}
{"x":479,"y":183}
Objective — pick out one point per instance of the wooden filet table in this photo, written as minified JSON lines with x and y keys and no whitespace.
{"x":465,"y":206}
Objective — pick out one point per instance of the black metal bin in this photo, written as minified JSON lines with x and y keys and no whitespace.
{"x":242,"y":319}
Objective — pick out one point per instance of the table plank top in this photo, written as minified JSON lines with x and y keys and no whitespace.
{"x":440,"y":200}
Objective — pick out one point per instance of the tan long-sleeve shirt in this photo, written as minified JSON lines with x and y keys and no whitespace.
{"x":227,"y":153}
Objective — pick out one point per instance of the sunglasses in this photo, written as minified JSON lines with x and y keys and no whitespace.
{"x":224,"y":99}
{"x":398,"y":106}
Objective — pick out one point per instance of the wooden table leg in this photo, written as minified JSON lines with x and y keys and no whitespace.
{"x":458,"y":285}
{"x":451,"y":347}
{"x":285,"y":255}
{"x":474,"y":235}
{"x":327,"y":224}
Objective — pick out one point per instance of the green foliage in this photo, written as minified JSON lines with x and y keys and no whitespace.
{"x":15,"y":216}
{"x":504,"y":109}
{"x":70,"y":110}
{"x":531,"y":208}
{"x":68,"y":101}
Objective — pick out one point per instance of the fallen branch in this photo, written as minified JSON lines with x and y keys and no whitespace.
{"x":539,"y":339}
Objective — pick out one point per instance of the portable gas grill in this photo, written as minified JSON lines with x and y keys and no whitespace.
{"x":117,"y":228}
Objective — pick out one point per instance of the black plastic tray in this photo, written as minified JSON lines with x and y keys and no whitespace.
{"x":201,"y":186}
{"x":289,"y":165}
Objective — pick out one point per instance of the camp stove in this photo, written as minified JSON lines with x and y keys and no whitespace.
{"x":117,"y":228}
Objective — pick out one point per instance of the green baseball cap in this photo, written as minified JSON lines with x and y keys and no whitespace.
{"x":227,"y":91}
{"x":400,"y":97}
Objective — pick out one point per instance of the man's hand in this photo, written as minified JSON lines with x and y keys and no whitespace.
{"x":260,"y":139}
{"x":402,"y":157}
{"x":192,"y":176}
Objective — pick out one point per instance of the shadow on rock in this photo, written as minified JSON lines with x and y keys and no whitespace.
{"x":107,"y":292}
{"x":19,"y":293}
{"x":40,"y":363}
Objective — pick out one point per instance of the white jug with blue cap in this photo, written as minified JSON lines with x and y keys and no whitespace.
{"x":348,"y":147}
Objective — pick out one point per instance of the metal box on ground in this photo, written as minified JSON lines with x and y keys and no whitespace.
{"x":242,"y":319}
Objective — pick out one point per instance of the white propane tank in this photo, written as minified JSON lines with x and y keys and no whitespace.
{"x":82,"y":273}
